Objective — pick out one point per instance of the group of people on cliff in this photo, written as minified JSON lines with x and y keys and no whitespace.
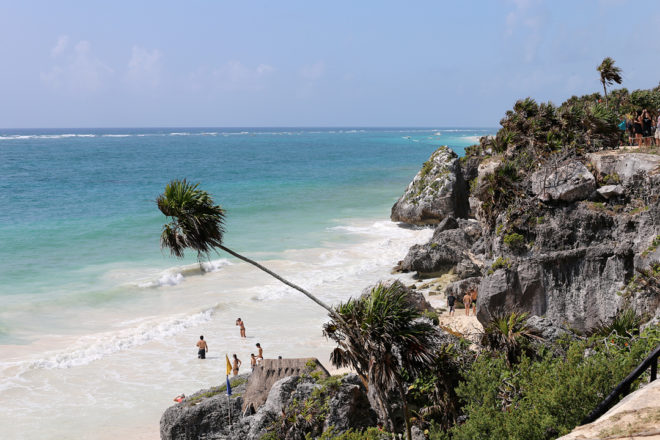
{"x":203,"y":348}
{"x":643,"y":128}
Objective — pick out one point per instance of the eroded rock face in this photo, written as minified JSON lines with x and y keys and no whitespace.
{"x":445,"y":249}
{"x":200,"y":416}
{"x":437,"y":191}
{"x":574,"y":257}
{"x":623,"y":167}
{"x":569,"y":182}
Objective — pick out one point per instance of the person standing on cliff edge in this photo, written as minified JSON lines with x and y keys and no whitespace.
{"x":202,"y":348}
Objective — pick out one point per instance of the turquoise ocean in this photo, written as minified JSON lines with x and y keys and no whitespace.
{"x":97,"y":323}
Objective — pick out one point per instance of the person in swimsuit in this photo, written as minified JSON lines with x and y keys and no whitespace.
{"x":474,"y":302}
{"x":451,"y":299}
{"x":253,"y":361}
{"x":237,"y":365}
{"x":260,"y":355}
{"x":240,"y":323}
{"x":467,"y":301}
{"x":202,"y":348}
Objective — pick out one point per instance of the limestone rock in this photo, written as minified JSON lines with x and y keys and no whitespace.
{"x":437,"y":191}
{"x":203,"y":415}
{"x":569,"y":182}
{"x":445,"y":249}
{"x":624,"y":165}
{"x":270,"y":371}
{"x":609,"y":191}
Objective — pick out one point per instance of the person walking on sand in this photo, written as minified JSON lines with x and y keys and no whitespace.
{"x":451,"y":299}
{"x":253,"y":361}
{"x":237,"y":364}
{"x":260,"y":355}
{"x":474,"y":302}
{"x":467,"y":301}
{"x":240,"y":323}
{"x":202,"y":348}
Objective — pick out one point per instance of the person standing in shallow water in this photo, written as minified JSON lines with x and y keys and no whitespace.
{"x":260,"y":355}
{"x":202,"y":348}
{"x":253,"y":361}
{"x":240,"y":323}
{"x":237,"y":364}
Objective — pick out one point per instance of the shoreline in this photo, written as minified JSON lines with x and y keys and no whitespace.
{"x":165,"y":364}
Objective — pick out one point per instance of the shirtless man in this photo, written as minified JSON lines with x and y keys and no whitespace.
{"x":467,"y":301}
{"x":240,"y":323}
{"x":253,"y":361}
{"x":237,"y":365}
{"x":260,"y":356}
{"x":203,"y":348}
{"x":474,"y":302}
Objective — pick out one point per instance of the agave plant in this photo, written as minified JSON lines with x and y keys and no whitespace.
{"x":509,"y":333}
{"x":198,"y":224}
{"x":381,"y":340}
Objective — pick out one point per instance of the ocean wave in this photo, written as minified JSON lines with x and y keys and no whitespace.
{"x":176,"y":275}
{"x":116,"y":135}
{"x":97,"y":346}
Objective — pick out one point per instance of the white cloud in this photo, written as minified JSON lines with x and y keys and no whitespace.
{"x":314,"y":71}
{"x":144,"y":67}
{"x":60,"y":46}
{"x":79,"y":71}
{"x":234,"y":75}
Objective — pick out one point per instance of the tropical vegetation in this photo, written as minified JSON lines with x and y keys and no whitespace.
{"x":381,"y":338}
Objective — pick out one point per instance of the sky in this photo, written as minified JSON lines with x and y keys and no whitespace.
{"x":213,"y":63}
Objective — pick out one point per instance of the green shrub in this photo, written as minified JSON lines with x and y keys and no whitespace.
{"x":367,"y":434}
{"x":432,"y":315}
{"x":500,"y":263}
{"x":547,"y":398}
{"x":515,"y":242}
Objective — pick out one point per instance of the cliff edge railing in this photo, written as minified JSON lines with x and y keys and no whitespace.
{"x":623,"y":388}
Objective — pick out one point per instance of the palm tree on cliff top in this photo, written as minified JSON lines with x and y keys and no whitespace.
{"x":198,"y":224}
{"x":609,"y":74}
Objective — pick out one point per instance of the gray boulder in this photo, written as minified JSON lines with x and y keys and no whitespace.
{"x":548,"y":330}
{"x":203,"y":415}
{"x":609,"y":191}
{"x":569,"y":182}
{"x":445,"y":249}
{"x":437,"y":191}
{"x":624,"y":165}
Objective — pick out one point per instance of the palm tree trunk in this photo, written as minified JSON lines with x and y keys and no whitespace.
{"x":330,"y":310}
{"x":607,"y":104}
{"x":406,"y":416}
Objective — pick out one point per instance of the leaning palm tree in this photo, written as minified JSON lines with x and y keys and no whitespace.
{"x":381,"y":340}
{"x":609,"y":74}
{"x":198,"y":224}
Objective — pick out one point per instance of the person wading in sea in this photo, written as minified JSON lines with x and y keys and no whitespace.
{"x":260,"y":355}
{"x":240,"y":323}
{"x":203,"y":348}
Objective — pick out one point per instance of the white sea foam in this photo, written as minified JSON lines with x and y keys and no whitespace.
{"x":90,"y":348}
{"x":116,"y":135}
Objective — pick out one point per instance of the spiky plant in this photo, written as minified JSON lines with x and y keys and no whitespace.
{"x":609,"y":74}
{"x":197,"y":223}
{"x":380,"y":339}
{"x":509,"y":333}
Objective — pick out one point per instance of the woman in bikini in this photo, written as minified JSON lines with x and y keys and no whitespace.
{"x":237,"y":364}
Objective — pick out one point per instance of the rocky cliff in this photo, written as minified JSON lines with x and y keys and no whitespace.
{"x":568,"y":238}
